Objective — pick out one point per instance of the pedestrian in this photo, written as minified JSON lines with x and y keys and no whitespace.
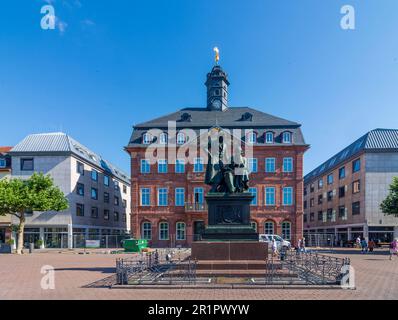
{"x":371,"y":245}
{"x":364,"y":245}
{"x":393,"y":248}
{"x":298,"y":246}
{"x":358,"y":242}
{"x":303,"y":244}
{"x":274,"y":248}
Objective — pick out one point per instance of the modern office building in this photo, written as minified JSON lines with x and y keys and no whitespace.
{"x":168,"y":196}
{"x":5,"y":172}
{"x":98,"y":192}
{"x":342,"y":196}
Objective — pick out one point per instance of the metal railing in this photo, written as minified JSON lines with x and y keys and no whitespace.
{"x":195,"y":206}
{"x":314,"y":268}
{"x":158,"y":267}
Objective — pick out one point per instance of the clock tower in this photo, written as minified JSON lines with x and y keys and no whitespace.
{"x":217,"y":89}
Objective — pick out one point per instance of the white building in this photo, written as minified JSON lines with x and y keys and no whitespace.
{"x":98,"y":192}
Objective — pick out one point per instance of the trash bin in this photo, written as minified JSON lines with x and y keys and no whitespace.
{"x":134,"y":245}
{"x":31,"y":247}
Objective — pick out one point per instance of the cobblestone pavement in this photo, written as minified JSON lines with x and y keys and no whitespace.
{"x":20,"y":277}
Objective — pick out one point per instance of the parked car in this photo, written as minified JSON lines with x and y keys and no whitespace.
{"x":280,"y":242}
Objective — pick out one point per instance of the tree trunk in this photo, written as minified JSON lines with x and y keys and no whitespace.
{"x":21,"y":228}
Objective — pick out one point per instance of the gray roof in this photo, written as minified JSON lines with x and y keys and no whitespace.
{"x":232,"y":117}
{"x":377,"y":140}
{"x":59,"y":142}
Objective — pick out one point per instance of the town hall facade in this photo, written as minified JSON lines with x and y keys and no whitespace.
{"x":168,"y":195}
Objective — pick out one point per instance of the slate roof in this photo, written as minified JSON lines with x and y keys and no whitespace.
{"x":232,"y":117}
{"x":59,"y":142}
{"x":376,"y":140}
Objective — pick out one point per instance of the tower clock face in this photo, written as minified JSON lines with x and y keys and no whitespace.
{"x":217,"y":104}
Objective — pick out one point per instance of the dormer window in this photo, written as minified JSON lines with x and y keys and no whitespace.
{"x":252,"y":137}
{"x":181,"y":138}
{"x":163,"y":138}
{"x":269,"y":137}
{"x":287,"y":137}
{"x":146,"y":138}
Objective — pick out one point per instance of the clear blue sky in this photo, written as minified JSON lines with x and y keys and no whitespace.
{"x":117,"y":63}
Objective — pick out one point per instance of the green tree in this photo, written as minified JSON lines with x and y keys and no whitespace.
{"x":389,"y":206}
{"x":37,"y":193}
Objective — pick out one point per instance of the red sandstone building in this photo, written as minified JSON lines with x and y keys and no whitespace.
{"x":168,"y":197}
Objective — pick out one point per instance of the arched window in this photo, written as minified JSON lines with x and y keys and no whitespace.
{"x":146,"y":230}
{"x":163,"y":138}
{"x":180,"y":231}
{"x":181,"y":138}
{"x":286,"y":230}
{"x":252,"y":137}
{"x":147,"y":138}
{"x":164,"y":231}
{"x":254,"y":225}
{"x":269,"y":137}
{"x":287,"y":137}
{"x":269,"y":227}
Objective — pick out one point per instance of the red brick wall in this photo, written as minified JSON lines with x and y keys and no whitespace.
{"x":260,"y":213}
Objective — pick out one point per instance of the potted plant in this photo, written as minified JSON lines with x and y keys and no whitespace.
{"x":39,"y":243}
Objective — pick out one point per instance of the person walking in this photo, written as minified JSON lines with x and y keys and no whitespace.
{"x":358,"y":242}
{"x":364,"y":245}
{"x":303,"y":245}
{"x":371,"y":245}
{"x":394,"y":248}
{"x":274,"y":248}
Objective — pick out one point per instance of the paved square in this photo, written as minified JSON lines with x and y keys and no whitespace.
{"x":20,"y":277}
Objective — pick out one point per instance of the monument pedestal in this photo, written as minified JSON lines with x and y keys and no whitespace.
{"x":229,"y":235}
{"x":229,"y":250}
{"x":229,"y":218}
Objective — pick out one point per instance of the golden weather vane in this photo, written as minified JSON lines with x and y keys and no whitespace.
{"x":217,"y":56}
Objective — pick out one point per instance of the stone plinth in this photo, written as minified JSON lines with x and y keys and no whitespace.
{"x":229,"y":218}
{"x":229,"y":250}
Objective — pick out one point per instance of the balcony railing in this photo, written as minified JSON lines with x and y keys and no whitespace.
{"x":195,"y":207}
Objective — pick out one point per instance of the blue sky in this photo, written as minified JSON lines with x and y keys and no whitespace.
{"x":111,"y":64}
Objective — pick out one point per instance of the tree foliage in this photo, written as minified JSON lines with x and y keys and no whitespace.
{"x":38,"y":193}
{"x":389,"y":206}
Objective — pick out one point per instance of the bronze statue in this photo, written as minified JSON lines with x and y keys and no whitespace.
{"x":226,"y":175}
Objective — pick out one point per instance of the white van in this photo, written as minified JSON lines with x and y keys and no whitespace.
{"x":280,"y":243}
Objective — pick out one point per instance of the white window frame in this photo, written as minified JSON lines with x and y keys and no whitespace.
{"x":164,"y":223}
{"x":198,"y":162}
{"x":285,"y":193}
{"x":163,"y":138}
{"x":145,"y":230}
{"x":285,"y":235}
{"x":161,"y":163}
{"x":269,"y":134}
{"x":273,"y":195}
{"x":147,"y":138}
{"x":178,"y":193}
{"x":252,"y":137}
{"x":255,"y":199}
{"x":286,"y":134}
{"x":164,"y":192}
{"x":179,"y":230}
{"x":288,"y":165}
{"x":146,"y":193}
{"x":267,"y":229}
{"x":273,"y":163}
{"x":201,"y":193}
{"x":145,"y":164}
{"x":180,"y":140}
{"x":253,"y":165}
{"x":179,"y":163}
